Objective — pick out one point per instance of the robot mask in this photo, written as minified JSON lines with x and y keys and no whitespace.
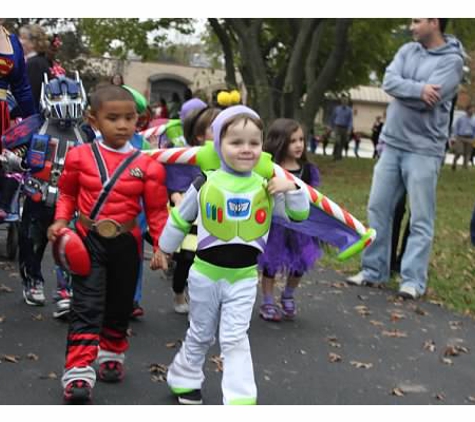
{"x":63,"y":99}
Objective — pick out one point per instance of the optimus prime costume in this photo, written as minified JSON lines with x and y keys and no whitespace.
{"x":234,"y":213}
{"x":106,"y":186}
{"x":37,"y":147}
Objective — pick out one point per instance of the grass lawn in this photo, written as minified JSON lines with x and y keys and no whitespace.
{"x":452,"y":266}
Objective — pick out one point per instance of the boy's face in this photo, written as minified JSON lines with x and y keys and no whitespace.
{"x":241,"y":147}
{"x":116,"y":121}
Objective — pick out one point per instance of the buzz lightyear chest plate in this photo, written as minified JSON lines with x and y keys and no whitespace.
{"x":226,"y":214}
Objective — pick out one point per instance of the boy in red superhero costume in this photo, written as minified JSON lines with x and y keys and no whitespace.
{"x":103,"y":300}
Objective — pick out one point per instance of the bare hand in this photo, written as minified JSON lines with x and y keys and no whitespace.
{"x":280,"y":185}
{"x":55,"y":228}
{"x":159,"y":261}
{"x":176,"y":197}
{"x":431,"y":94}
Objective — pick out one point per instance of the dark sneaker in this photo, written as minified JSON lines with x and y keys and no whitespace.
{"x":33,"y":293}
{"x":111,"y":371}
{"x":137,"y":311}
{"x":191,"y":397}
{"x":77,"y":392}
{"x":63,"y":303}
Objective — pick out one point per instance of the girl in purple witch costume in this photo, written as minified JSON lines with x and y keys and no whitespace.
{"x":196,"y":118}
{"x":287,"y":251}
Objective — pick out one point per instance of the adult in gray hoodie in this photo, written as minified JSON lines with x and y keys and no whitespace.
{"x":423,"y":79}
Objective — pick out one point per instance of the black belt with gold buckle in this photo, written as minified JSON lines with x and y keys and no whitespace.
{"x":107,"y":228}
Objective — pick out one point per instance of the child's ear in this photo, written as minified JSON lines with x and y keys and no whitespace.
{"x":91,"y":119}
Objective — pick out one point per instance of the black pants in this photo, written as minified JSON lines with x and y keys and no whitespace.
{"x":35,"y":220}
{"x":102,"y":302}
{"x":184,"y":261}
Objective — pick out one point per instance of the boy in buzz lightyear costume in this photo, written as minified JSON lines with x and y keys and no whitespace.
{"x":233,"y":206}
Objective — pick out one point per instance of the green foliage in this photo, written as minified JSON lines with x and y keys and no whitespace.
{"x":119,"y":37}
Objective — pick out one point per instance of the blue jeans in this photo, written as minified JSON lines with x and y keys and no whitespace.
{"x":398,"y":171}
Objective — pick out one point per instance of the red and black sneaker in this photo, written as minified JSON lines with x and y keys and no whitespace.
{"x":137,"y":311}
{"x":77,"y":392}
{"x":111,"y":371}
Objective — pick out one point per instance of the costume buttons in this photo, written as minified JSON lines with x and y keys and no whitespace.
{"x":261,"y":216}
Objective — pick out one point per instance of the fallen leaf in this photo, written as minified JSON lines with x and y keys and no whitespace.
{"x":455,"y":350}
{"x":267,"y":378}
{"x":397,"y":392}
{"x":436,"y":302}
{"x":158,"y":378}
{"x":429,"y":345}
{"x":455,"y":325}
{"x":397,"y":316}
{"x":2,"y":318}
{"x":173,"y":344}
{"x":394,"y":333}
{"x":447,"y":361}
{"x":420,"y":311}
{"x":376,"y":323}
{"x":218,"y":362}
{"x":11,"y":358}
{"x":37,"y":317}
{"x":440,"y":396}
{"x":303,"y":352}
{"x":359,"y":365}
{"x":50,"y":376}
{"x":5,"y":289}
{"x":158,"y":368}
{"x":32,"y":356}
{"x":333,"y":357}
{"x":363,"y":310}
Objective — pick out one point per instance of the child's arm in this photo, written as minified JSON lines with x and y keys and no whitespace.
{"x":68,"y":192}
{"x":296,"y":204}
{"x":181,"y":218}
{"x":155,"y":200}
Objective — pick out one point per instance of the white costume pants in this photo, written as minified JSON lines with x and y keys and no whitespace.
{"x":228,"y":305}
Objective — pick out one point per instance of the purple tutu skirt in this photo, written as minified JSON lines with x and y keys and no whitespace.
{"x":289,"y":252}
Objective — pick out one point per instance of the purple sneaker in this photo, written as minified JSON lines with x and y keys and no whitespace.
{"x":288,"y":307}
{"x":270,"y":312}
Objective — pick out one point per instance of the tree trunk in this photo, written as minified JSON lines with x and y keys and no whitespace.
{"x":317,"y":86}
{"x":226,"y":44}
{"x":257,"y":82}
{"x":293,"y":85}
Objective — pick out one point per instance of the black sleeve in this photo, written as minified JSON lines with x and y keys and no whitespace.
{"x":36,"y":67}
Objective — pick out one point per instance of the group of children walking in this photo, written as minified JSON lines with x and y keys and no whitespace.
{"x":217,"y":230}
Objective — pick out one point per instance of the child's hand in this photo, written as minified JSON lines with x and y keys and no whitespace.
{"x":55,"y":228}
{"x":176,"y":197}
{"x":159,"y":261}
{"x":280,"y":185}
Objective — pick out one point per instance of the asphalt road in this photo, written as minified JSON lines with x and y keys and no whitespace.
{"x":348,"y":345}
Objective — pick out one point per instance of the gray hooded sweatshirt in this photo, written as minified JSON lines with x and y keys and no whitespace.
{"x":411,"y":124}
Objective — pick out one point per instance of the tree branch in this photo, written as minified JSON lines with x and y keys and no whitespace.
{"x":226,"y":44}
